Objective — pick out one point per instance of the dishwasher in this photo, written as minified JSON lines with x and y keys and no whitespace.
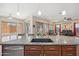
{"x":12,"y":50}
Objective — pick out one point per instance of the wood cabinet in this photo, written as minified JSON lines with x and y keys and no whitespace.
{"x":39,"y":50}
{"x":68,"y":50}
{"x":42,"y":50}
{"x":5,"y":27}
{"x":0,"y":50}
{"x":8,"y":27}
{"x":52,"y":53}
{"x":32,"y":53}
{"x":20,"y":28}
{"x":53,"y":50}
{"x":32,"y":50}
{"x":50,"y":50}
{"x":13,"y":27}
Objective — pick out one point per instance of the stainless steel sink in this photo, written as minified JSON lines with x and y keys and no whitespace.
{"x":44,"y":40}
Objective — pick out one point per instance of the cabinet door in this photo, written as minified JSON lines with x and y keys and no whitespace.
{"x":32,"y":53}
{"x":32,"y":50}
{"x":52,"y":53}
{"x":69,"y":53}
{"x":13,"y":27}
{"x":5,"y":27}
{"x":52,"y":50}
{"x":68,"y":50}
{"x":77,"y":50}
{"x":52,"y":47}
{"x":20,"y":28}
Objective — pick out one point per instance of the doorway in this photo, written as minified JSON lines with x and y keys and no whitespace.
{"x":76,"y":29}
{"x":58,"y":28}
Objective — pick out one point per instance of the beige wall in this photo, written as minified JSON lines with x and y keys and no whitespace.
{"x":67,"y":26}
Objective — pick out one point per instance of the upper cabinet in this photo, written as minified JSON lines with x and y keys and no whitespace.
{"x":20,"y":29}
{"x":13,"y":27}
{"x":5,"y":28}
{"x":10,"y":29}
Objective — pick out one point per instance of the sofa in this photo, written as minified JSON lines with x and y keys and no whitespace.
{"x":67,"y":32}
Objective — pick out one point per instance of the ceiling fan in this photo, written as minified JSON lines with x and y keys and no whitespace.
{"x":66,"y":19}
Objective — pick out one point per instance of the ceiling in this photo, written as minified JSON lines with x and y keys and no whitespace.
{"x":49,"y":10}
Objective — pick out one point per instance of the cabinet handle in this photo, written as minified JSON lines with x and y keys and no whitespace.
{"x":52,"y":48}
{"x":70,"y":54}
{"x":33,"y":48}
{"x":70,"y":48}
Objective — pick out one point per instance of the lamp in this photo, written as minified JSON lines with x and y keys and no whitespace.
{"x":63,"y":13}
{"x":18,"y":12}
{"x":39,"y":11}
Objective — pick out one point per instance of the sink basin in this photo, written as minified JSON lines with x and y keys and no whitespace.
{"x":44,"y":40}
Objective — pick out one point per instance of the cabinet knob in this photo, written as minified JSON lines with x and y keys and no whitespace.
{"x":52,"y":48}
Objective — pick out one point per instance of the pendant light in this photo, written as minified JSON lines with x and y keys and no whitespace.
{"x":63,"y":13}
{"x":18,"y":12}
{"x":39,"y":11}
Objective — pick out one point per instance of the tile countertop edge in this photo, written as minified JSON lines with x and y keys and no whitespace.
{"x":26,"y":42}
{"x":38,"y":44}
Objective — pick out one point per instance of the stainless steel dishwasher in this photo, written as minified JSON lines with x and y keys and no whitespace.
{"x":12,"y":50}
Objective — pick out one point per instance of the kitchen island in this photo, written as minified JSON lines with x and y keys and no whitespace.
{"x":61,"y":46}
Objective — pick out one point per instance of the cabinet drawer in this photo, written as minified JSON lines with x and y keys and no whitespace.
{"x":33,"y":47}
{"x":52,"y":47}
{"x":52,"y":53}
{"x":69,"y":54}
{"x":70,"y":47}
{"x":32,"y":53}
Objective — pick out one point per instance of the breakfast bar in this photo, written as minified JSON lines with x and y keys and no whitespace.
{"x":58,"y":47}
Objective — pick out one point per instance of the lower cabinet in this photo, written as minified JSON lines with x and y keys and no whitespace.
{"x":69,"y":50}
{"x":53,"y":50}
{"x":50,"y":50}
{"x":39,"y":50}
{"x":52,"y":53}
{"x":32,"y":50}
{"x":42,"y":50}
{"x":33,"y":53}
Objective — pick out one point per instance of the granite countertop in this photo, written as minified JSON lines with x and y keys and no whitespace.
{"x":58,"y":40}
